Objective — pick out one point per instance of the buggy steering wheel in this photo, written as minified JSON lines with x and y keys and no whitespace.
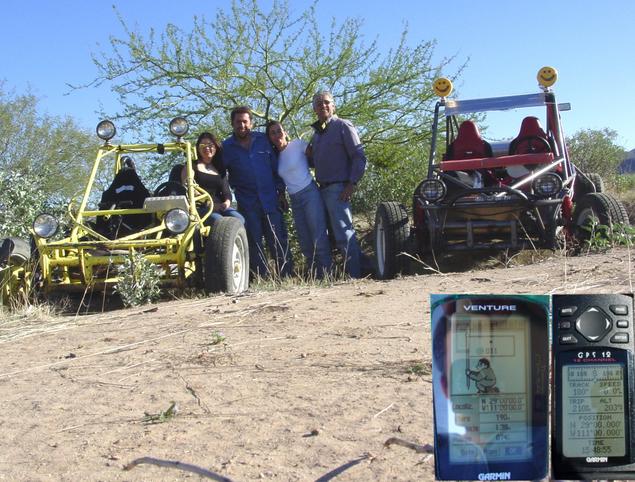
{"x":543,"y":143}
{"x":170,"y":188}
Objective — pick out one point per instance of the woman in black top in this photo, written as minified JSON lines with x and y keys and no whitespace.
{"x":206,"y":175}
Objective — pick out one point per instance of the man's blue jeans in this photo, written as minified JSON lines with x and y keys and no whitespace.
{"x":272,"y":227}
{"x":341,"y":222}
{"x":309,"y":217}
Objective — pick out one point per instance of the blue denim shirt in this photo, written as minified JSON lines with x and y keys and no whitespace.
{"x":253,"y":173}
{"x":338,"y":155}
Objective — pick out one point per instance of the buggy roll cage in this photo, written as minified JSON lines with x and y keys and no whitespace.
{"x":453,"y":108}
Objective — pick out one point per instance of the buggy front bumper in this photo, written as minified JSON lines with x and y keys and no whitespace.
{"x":66,"y":265}
{"x":491,"y":218}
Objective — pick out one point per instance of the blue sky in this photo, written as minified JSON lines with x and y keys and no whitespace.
{"x":44,"y":45}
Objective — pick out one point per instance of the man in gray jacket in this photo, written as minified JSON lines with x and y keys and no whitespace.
{"x":339,"y":160}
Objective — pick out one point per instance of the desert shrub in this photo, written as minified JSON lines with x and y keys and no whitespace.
{"x":602,"y":237}
{"x":395,"y":183}
{"x":21,"y":200}
{"x":596,"y":150}
{"x":625,"y":185}
{"x":138,"y":281}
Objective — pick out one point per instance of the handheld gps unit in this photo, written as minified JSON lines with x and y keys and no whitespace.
{"x":593,"y":425}
{"x":490,"y":386}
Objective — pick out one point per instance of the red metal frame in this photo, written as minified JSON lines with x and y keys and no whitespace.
{"x":501,"y":161}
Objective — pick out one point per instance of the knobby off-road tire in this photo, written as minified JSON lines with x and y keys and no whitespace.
{"x":227,"y":257}
{"x":587,"y":183}
{"x":597,"y":181}
{"x":15,"y":255}
{"x":392,"y":232}
{"x":14,"y":250}
{"x":605,"y":209}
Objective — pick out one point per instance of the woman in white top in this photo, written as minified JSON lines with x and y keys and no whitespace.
{"x":309,"y":214}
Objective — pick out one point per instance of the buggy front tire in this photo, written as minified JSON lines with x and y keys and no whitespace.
{"x":392,"y":232}
{"x":597,"y":209}
{"x":227,"y":257}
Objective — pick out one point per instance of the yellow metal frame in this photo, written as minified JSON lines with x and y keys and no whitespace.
{"x":15,"y":283}
{"x":87,"y":258}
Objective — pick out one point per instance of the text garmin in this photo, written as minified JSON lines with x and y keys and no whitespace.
{"x":495,"y":476}
{"x":596,"y":460}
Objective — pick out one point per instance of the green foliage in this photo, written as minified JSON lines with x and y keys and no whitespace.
{"x":161,"y":417}
{"x":625,"y":183}
{"x":420,"y":369}
{"x":42,"y":161}
{"x":394,"y":183}
{"x":602,"y":237}
{"x":216,"y":338}
{"x":595,"y":150}
{"x":138,"y":281}
{"x":22,"y":198}
{"x":274,"y":61}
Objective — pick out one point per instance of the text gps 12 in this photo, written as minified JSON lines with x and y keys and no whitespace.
{"x":490,"y":386}
{"x":593,"y":426}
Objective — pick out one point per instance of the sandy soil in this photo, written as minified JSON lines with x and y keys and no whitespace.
{"x":305,"y":381}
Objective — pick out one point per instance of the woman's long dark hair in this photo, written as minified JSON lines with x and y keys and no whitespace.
{"x":217,"y":159}
{"x":270,"y":125}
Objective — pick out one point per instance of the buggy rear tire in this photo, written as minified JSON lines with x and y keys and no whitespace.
{"x":597,"y":209}
{"x":587,"y":183}
{"x":15,"y":270}
{"x":597,"y":181}
{"x":392,"y":232}
{"x":15,"y":251}
{"x":227,"y":257}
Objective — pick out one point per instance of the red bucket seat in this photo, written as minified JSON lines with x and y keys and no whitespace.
{"x":531,"y":138}
{"x":468,"y":143}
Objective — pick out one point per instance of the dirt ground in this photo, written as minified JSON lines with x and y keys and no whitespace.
{"x":303,"y":384}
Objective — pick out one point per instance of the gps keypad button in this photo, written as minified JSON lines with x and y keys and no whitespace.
{"x":620,"y":310}
{"x":619,"y":338}
{"x":622,"y":323}
{"x":593,"y":324}
{"x":568,"y":340}
{"x":568,"y":310}
{"x":564,"y":325}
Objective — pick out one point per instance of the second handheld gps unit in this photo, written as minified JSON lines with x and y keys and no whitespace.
{"x":593,"y":425}
{"x":490,"y":385}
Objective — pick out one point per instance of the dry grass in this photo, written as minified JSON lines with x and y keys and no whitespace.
{"x":34,"y":311}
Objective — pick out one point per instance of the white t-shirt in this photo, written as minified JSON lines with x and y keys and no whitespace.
{"x":293,"y":166}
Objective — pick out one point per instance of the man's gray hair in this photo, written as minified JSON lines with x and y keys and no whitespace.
{"x":323,"y":94}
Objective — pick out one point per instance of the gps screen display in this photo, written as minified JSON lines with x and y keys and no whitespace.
{"x":593,"y":418}
{"x":489,"y":383}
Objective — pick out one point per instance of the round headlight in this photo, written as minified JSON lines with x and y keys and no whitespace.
{"x":431,"y":190}
{"x":177,"y":220}
{"x":179,"y":126}
{"x":547,"y":185}
{"x":45,"y":225}
{"x":106,"y":130}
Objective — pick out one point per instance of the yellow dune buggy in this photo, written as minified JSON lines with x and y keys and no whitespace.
{"x":166,"y":226}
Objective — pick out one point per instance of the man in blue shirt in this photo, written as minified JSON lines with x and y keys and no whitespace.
{"x":340,"y":162}
{"x":253,"y":174}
